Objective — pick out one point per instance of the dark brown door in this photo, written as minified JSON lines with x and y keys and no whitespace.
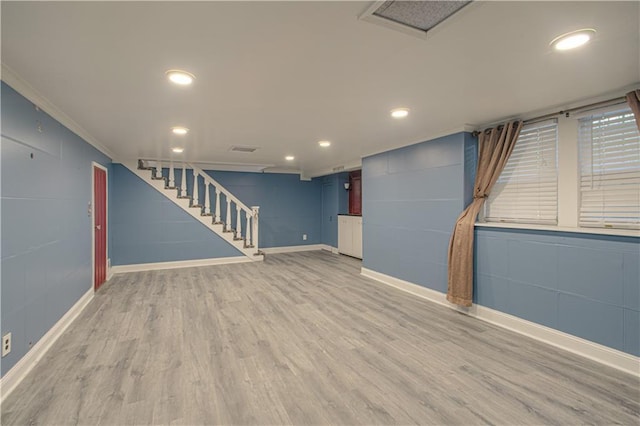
{"x":100,"y":225}
{"x":355,"y":192}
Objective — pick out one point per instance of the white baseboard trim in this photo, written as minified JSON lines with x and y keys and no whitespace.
{"x":140,"y":267}
{"x":292,"y":249}
{"x":332,"y":249}
{"x":109,"y":270}
{"x":594,"y":351}
{"x":19,"y":371}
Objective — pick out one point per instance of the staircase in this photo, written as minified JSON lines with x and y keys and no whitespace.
{"x":237,"y":224}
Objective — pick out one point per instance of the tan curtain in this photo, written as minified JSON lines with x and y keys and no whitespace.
{"x":494,"y":148}
{"x":633,"y":99}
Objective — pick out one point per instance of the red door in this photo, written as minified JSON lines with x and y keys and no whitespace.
{"x":100,"y":225}
{"x":355,"y":192}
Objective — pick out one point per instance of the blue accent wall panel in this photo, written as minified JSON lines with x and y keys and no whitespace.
{"x":335,"y":201}
{"x":147,"y":227}
{"x":411,"y":199}
{"x":582,"y":284}
{"x":46,"y":231}
{"x":289,"y":207}
{"x":470,"y":166}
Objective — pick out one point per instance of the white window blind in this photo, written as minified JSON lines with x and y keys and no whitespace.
{"x":527,"y":189}
{"x":609,"y":145}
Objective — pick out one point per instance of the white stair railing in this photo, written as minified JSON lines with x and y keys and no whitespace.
{"x":250,"y":235}
{"x":249,"y":232}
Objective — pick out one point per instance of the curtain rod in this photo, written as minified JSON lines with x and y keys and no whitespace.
{"x":567,"y":112}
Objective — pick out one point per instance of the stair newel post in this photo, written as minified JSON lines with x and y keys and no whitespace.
{"x":238,"y":223}
{"x":228,"y":215}
{"x":207,"y":204}
{"x":247,"y":237}
{"x":195,"y":195}
{"x":172,"y":176}
{"x":255,"y":210}
{"x":183,"y":181}
{"x":159,"y":169}
{"x":218,"y":220}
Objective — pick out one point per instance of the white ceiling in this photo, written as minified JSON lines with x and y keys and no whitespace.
{"x":282,"y":75}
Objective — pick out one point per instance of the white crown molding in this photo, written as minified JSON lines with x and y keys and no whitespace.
{"x":20,"y":370}
{"x":346,"y":167}
{"x":605,"y":355}
{"x":28,"y":91}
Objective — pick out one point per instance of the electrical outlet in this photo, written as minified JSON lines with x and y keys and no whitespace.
{"x":304,"y":237}
{"x":6,"y":344}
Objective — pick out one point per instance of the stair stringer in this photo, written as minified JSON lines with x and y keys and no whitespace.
{"x":185,"y":204}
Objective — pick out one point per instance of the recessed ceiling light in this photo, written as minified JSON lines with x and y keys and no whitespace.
{"x":180,"y":77}
{"x":289,"y":158}
{"x":399,"y":112}
{"x":178,"y":130}
{"x":573,"y":39}
{"x":324,"y":144}
{"x":177,"y":150}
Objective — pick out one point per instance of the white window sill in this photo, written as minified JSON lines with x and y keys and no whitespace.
{"x":599,"y":231}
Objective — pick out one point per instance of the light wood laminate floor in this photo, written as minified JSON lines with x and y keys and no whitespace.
{"x":303,"y":339}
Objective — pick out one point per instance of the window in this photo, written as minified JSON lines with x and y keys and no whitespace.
{"x":527,"y":189}
{"x":609,"y":152}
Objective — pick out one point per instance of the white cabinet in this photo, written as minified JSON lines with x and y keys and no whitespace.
{"x":350,"y":235}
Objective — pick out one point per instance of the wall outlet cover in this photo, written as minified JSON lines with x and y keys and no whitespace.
{"x":6,"y":344}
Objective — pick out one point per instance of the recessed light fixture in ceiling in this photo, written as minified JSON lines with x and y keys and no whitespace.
{"x":399,"y":112}
{"x":179,"y":130}
{"x":289,"y":158}
{"x":182,"y":78}
{"x":324,"y":144}
{"x":177,"y":150}
{"x":573,"y":39}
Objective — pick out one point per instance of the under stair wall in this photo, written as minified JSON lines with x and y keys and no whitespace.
{"x":147,"y":227}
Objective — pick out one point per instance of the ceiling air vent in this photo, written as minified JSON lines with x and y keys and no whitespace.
{"x":411,"y":17}
{"x":243,"y":148}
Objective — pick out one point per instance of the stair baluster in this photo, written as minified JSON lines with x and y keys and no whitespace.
{"x":207,"y":205}
{"x":238,"y":234}
{"x":195,"y":195}
{"x":183,"y":181}
{"x":247,"y":239}
{"x":172,"y":176}
{"x":218,"y":219}
{"x":254,"y":222}
{"x":228,"y":216}
{"x":159,"y":169}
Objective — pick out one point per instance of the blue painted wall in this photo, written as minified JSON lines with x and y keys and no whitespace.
{"x":335,"y":201}
{"x":411,"y":198}
{"x":585,"y":285}
{"x":146,"y":227}
{"x":46,"y":231}
{"x":289,"y":207}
